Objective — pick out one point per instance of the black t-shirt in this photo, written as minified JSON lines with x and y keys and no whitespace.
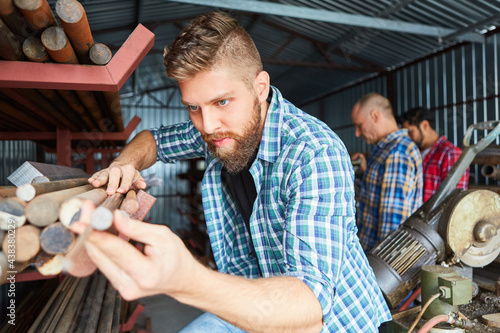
{"x":242,"y":188}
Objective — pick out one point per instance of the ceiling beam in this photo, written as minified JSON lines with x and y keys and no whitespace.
{"x":269,"y":8}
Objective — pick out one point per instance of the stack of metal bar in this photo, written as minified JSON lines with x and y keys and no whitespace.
{"x":35,"y":222}
{"x":90,"y":304}
{"x":29,"y":31}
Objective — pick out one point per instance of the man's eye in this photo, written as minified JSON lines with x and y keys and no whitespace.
{"x":193,"y":107}
{"x":223,"y":102}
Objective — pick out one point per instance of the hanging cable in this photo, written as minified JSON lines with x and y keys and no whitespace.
{"x":423,"y":310}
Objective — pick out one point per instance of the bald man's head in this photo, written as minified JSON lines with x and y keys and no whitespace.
{"x":372,"y":101}
{"x":373,"y":118}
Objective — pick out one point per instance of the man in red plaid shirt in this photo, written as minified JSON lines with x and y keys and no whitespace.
{"x":438,"y":154}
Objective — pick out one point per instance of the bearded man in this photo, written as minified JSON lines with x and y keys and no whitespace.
{"x":278,"y":198}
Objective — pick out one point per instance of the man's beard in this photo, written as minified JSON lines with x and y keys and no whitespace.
{"x":234,"y":159}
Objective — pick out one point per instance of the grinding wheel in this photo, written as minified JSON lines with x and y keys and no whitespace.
{"x":473,"y":227}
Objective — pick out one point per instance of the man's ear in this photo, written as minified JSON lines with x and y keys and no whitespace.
{"x":262,"y":85}
{"x":375,"y":115}
{"x":424,"y":125}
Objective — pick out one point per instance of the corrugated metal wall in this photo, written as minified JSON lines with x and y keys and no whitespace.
{"x":461,"y":85}
{"x":155,"y":109}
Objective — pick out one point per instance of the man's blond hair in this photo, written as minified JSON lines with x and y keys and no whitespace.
{"x":212,"y":40}
{"x":373,"y":100}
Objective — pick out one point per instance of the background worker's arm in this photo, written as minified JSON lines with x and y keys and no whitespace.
{"x":123,"y":172}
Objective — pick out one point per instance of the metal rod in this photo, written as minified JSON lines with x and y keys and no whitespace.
{"x":27,"y":192}
{"x":58,"y":46}
{"x":27,"y":243}
{"x":70,"y":209}
{"x":102,"y":217}
{"x":13,"y":18}
{"x":74,"y":22}
{"x":10,"y":47}
{"x":56,"y":238}
{"x":34,"y":50}
{"x":44,"y":209}
{"x":12,"y":213}
{"x":130,"y":204}
{"x":37,"y":12}
{"x":49,"y":264}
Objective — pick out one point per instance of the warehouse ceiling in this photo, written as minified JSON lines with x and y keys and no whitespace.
{"x":309,"y":47}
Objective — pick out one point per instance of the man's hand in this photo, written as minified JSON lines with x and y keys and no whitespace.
{"x":360,"y":159}
{"x":120,"y":178}
{"x":165,"y":266}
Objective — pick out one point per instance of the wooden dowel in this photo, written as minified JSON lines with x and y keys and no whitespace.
{"x":37,"y":12}
{"x":56,"y":238}
{"x":10,"y":47}
{"x":12,"y":213}
{"x":27,"y":192}
{"x":102,"y":217}
{"x":58,"y":46}
{"x":26,"y":243}
{"x":49,"y":264}
{"x":44,"y":209}
{"x":70,"y":209}
{"x":74,"y":22}
{"x":130,"y":204}
{"x":34,"y":50}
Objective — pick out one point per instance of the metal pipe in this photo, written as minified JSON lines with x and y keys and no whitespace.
{"x":10,"y":47}
{"x":74,"y":22}
{"x":37,"y":12}
{"x":490,"y":171}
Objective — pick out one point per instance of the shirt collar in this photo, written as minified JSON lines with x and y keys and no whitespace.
{"x":391,"y":137}
{"x":269,"y":147}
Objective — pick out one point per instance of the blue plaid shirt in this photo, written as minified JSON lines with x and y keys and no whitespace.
{"x":391,"y":189}
{"x":302,"y":224}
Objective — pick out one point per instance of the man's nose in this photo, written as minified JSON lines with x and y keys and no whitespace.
{"x":211,"y":121}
